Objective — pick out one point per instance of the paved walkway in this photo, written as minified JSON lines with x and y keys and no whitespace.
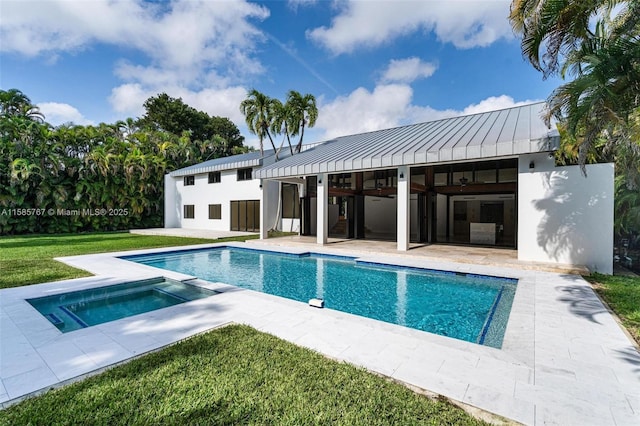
{"x":492,"y":256}
{"x":192,"y":233}
{"x":564,"y":360}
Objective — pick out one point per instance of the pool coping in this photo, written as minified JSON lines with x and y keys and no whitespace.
{"x":564,"y":358}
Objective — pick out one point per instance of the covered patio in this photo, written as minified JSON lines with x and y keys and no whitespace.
{"x":453,"y":180}
{"x":483,"y":180}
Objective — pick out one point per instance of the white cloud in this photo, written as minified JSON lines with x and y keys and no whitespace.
{"x":388,"y":106}
{"x":182,"y":34}
{"x":295,"y":4}
{"x":494,"y":103}
{"x":407,"y":70}
{"x":464,"y":23}
{"x":128,"y":99}
{"x":199,"y":50}
{"x":58,"y":113}
{"x":364,"y":111}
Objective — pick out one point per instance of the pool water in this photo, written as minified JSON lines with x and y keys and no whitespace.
{"x":79,"y":309}
{"x":473,"y":308}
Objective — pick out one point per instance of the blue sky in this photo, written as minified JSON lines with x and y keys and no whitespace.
{"x":370,"y":64}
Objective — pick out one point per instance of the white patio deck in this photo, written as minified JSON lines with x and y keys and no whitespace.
{"x":564,"y":360}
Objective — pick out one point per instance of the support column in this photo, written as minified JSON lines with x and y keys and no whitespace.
{"x":322,"y":214}
{"x":403,"y":208}
{"x":264,"y":227}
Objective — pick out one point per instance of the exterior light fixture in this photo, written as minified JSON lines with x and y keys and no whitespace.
{"x":532,"y":165}
{"x":401,"y":175}
{"x":463,"y":181}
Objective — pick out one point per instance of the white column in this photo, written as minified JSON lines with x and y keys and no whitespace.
{"x":322,"y":227}
{"x":264,"y":227}
{"x":171,"y":207}
{"x":403,"y":208}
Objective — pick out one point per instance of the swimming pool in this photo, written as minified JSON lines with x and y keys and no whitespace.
{"x":79,"y":309}
{"x":474,"y":308}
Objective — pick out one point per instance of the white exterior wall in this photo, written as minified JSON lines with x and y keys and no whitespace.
{"x":204,"y":193}
{"x":271,"y":191}
{"x":172,"y":208}
{"x":381,"y":215}
{"x":403,"y":208}
{"x":564,"y":217}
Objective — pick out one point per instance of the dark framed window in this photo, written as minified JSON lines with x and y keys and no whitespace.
{"x":244,"y":174}
{"x":215,"y":211}
{"x":487,"y":172}
{"x":189,"y":211}
{"x":189,"y":180}
{"x":290,"y":201}
{"x":340,"y":180}
{"x":214,"y":177}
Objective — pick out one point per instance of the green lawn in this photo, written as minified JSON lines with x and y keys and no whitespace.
{"x":28,"y":260}
{"x":235,"y":375}
{"x":622,"y":294}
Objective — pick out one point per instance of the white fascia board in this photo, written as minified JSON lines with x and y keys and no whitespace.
{"x":216,"y":168}
{"x":504,"y":148}
{"x":459,"y":153}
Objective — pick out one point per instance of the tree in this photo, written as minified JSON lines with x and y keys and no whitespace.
{"x":597,"y":42}
{"x":164,"y":113}
{"x":110,"y":166}
{"x":303,"y":113}
{"x":14,"y":103}
{"x":281,"y":123}
{"x":603,"y":96}
{"x":555,"y":26}
{"x":258,"y":112}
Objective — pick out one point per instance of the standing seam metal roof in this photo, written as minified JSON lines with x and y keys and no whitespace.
{"x":250,"y":159}
{"x":499,"y":133}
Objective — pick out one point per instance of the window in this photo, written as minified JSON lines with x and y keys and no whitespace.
{"x":508,"y":175}
{"x":215,"y":211}
{"x":245,"y":215}
{"x":290,"y":201}
{"x":440,"y":179}
{"x":340,"y":180}
{"x":214,"y":177}
{"x":244,"y":174}
{"x":189,"y":211}
{"x":189,"y":180}
{"x":380,"y":179}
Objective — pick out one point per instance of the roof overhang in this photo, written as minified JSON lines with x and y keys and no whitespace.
{"x":489,"y":135}
{"x":205,"y":168}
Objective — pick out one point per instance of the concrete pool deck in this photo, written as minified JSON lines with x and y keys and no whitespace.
{"x":564,"y":360}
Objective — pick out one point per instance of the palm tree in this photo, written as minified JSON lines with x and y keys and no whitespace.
{"x":281,"y":123}
{"x":558,"y":26}
{"x":303,"y":112}
{"x":605,"y":91}
{"x":257,"y":109}
{"x":14,"y":103}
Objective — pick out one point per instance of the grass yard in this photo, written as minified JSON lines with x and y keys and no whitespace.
{"x":28,"y":260}
{"x":235,"y":375}
{"x":622,"y":294}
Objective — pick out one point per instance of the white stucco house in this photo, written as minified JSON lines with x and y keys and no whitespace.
{"x":485,"y":179}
